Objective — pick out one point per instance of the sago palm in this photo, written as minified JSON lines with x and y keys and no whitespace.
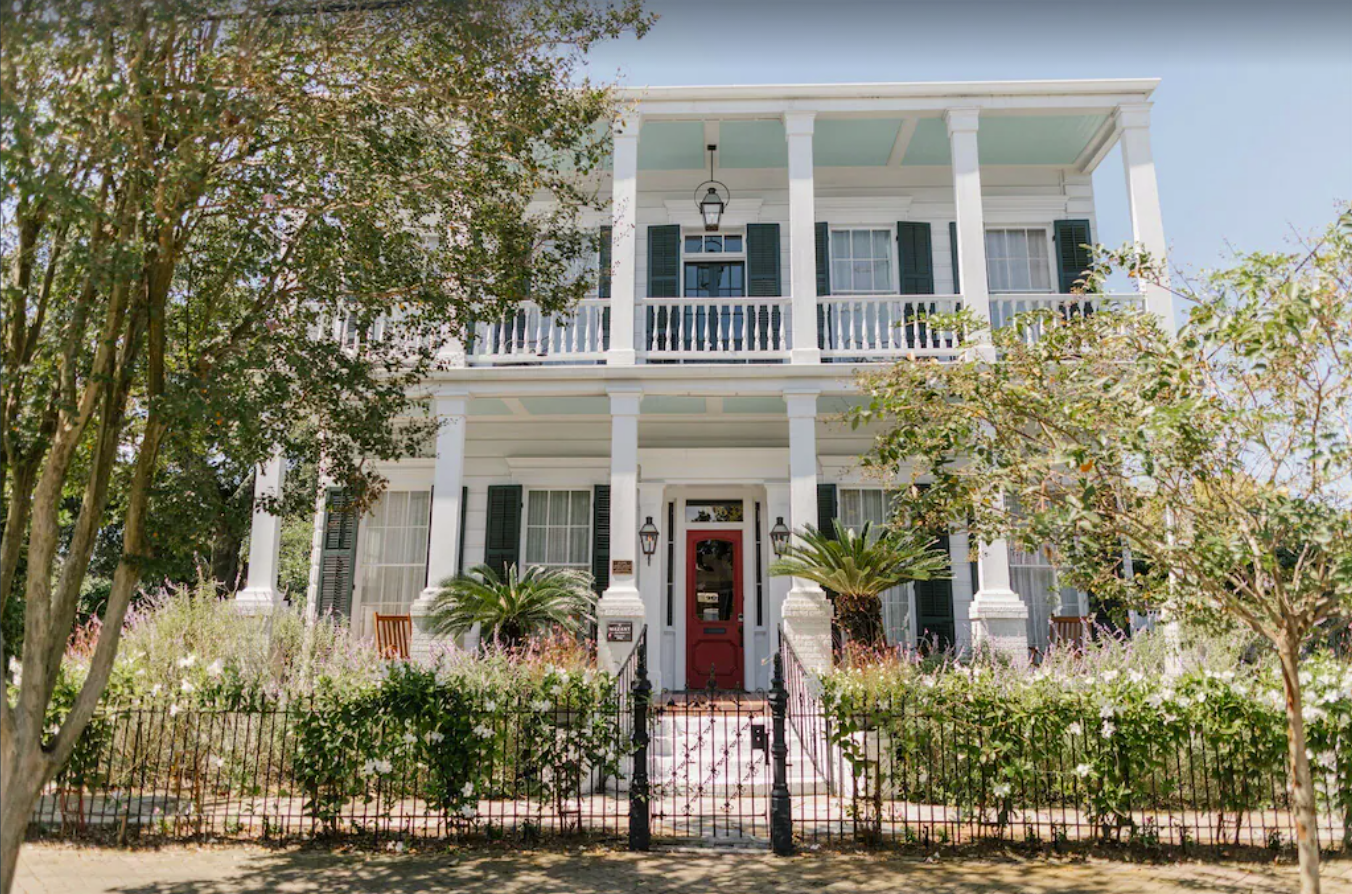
{"x":509,"y":608}
{"x":858,"y":566}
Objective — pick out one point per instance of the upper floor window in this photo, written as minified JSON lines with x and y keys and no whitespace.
{"x":714,"y":266}
{"x":558,"y":528}
{"x":1017,"y":260}
{"x":861,"y":262}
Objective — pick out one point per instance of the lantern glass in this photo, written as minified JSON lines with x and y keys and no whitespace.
{"x":711,"y":209}
{"x":647,"y":537}
{"x":779,"y":536}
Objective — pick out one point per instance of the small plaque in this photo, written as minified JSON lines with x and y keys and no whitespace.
{"x":619,"y":631}
{"x":621,"y":566}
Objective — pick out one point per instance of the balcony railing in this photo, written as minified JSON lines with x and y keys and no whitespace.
{"x":1004,"y":308}
{"x":880,"y":327}
{"x":716,"y":328}
{"x":532,"y":336}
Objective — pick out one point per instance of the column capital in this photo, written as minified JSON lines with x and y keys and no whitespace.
{"x":624,"y":401}
{"x":802,"y":404}
{"x":627,"y":125}
{"x":1135,"y":114}
{"x":451,"y":404}
{"x":799,"y":124}
{"x":961,"y":120}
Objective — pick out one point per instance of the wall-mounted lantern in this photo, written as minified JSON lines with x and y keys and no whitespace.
{"x":647,"y":538}
{"x":779,"y":536}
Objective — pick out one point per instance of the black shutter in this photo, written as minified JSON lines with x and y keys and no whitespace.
{"x":338,"y":557}
{"x":603,"y":286}
{"x":916,"y":258}
{"x":934,"y":605}
{"x":1073,"y":258}
{"x":664,"y":261}
{"x":953,"y":255}
{"x":502,"y":548}
{"x":823,"y":243}
{"x":762,"y":260}
{"x":601,"y":537}
{"x":460,"y":547}
{"x":826,"y":509}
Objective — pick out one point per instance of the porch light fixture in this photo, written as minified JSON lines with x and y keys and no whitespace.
{"x":779,"y":536}
{"x":712,"y":197}
{"x":647,"y":538}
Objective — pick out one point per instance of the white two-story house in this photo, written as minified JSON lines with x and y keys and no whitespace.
{"x":660,"y":434}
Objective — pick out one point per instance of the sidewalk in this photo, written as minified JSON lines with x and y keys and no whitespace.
{"x":60,"y":869}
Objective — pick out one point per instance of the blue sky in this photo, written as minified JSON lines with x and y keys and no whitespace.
{"x":1252,"y":125}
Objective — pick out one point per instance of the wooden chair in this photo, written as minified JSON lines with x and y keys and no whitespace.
{"x":393,"y":633}
{"x":1069,"y":631}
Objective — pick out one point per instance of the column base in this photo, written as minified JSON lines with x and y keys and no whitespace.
{"x":807,"y":626}
{"x":1000,"y":622}
{"x":805,"y":355}
{"x":258,"y":600}
{"x":618,"y":603}
{"x":621,"y":357}
{"x":424,"y":643}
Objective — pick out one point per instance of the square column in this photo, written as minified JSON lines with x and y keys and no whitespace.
{"x":1143,"y":202}
{"x":798,"y":126}
{"x":621,"y":601}
{"x":807,"y":612}
{"x":959,"y":554}
{"x":623,"y":240}
{"x":443,"y":534}
{"x":265,"y":540}
{"x":998,"y":614}
{"x":971,"y":225}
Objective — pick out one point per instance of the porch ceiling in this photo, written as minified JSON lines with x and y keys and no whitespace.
{"x":652,"y":405}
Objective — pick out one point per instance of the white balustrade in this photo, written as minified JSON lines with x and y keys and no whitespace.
{"x":1007,"y":307}
{"x":716,"y":328}
{"x":866,"y":327}
{"x":530,"y":335}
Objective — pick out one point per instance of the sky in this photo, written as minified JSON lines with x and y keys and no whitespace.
{"x":1252,"y":123}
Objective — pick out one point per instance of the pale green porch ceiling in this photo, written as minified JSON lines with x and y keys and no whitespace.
{"x":1011,"y":140}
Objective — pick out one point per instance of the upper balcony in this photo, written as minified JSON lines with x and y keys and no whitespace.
{"x":856,"y":213}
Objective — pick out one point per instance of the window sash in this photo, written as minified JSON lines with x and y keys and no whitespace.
{"x":394,"y":551}
{"x":1017,"y":260}
{"x":558,"y":528}
{"x":861,"y":262}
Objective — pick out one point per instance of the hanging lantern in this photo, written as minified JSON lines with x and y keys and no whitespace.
{"x":711,"y":198}
{"x":779,"y":536}
{"x":647,"y":538}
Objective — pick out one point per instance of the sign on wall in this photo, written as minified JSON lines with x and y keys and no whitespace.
{"x":619,"y":631}
{"x":622,"y":566}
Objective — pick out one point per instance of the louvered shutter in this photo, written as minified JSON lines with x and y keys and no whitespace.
{"x":934,"y":605}
{"x":826,"y":509}
{"x":601,"y":537}
{"x":763,"y":277}
{"x":502,"y":548}
{"x":460,"y":547}
{"x":823,"y":248}
{"x":664,"y":261}
{"x":953,"y":255}
{"x":338,"y":556}
{"x":1073,"y":257}
{"x":916,"y":258}
{"x":603,"y":286}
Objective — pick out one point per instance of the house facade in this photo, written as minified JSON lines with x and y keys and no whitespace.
{"x":660,"y":433}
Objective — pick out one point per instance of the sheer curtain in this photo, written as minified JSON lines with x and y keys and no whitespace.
{"x":394,"y":556}
{"x":1034,"y":577}
{"x":558,"y":528}
{"x":860,"y":505}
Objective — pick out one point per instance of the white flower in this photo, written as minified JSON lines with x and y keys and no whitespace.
{"x":409,"y":738}
{"x":540,"y":704}
{"x":216,"y":668}
{"x":1170,"y":718}
{"x":186,"y":686}
{"x":435,"y":737}
{"x":469,"y":811}
{"x":174,"y":710}
{"x":1002,"y":789}
{"x":14,"y":666}
{"x":218,"y":762}
{"x":1107,"y":730}
{"x":468,"y":790}
{"x":189,"y":661}
{"x":1107,"y":711}
{"x":383,"y":766}
{"x":1328,"y":760}
{"x":1109,"y":676}
{"x":1082,"y":770}
{"x":1155,"y":699}
{"x":1135,"y":676}
{"x":1075,"y":729}
{"x":1184,"y":701}
{"x":483,"y":731}
{"x":155,"y":690}
{"x":490,"y":706}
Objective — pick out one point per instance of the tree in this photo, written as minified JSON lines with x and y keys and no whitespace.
{"x":858,"y":566}
{"x":511,"y":607}
{"x":226,"y":223}
{"x":1218,"y":460}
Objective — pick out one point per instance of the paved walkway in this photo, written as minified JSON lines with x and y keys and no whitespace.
{"x":54,"y":869}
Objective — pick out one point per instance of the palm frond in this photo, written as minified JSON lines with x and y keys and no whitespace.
{"x":514,"y":605}
{"x":862,"y":563}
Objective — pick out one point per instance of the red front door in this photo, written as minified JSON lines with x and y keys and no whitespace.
{"x":713,"y":599}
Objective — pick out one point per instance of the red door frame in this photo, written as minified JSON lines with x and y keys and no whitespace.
{"x":695,"y":630}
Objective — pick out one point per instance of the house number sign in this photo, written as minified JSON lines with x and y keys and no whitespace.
{"x":622,"y":566}
{"x":619,"y":631}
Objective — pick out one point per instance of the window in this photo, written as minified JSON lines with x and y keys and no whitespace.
{"x":717,"y":280}
{"x":724,"y":243}
{"x":394,"y":554}
{"x":860,"y":505}
{"x":861,"y":262}
{"x":704,"y":511}
{"x":1017,"y":260}
{"x":558,"y":528}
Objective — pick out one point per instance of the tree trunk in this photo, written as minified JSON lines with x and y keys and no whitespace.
{"x":862,"y":618}
{"x":1302,"y":784}
{"x":20,"y":787}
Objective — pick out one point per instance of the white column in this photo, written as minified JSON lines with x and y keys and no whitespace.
{"x":651,"y":574}
{"x":807,"y":612}
{"x":621,"y":601}
{"x":959,"y":554}
{"x":1143,"y":202}
{"x":962,"y":125}
{"x":317,"y":548}
{"x":998,"y":614}
{"x":798,"y":126}
{"x":624,"y":239}
{"x":777,"y":507}
{"x":443,"y":534}
{"x":265,"y":540}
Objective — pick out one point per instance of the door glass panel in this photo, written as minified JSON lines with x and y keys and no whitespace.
{"x":714,"y":574}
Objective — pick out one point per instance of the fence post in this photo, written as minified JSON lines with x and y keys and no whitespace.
{"x":781,"y":806}
{"x":640,"y":828}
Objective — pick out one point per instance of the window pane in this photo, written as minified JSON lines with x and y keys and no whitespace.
{"x":732,"y":243}
{"x":850,"y":515}
{"x":860,"y":243}
{"x":693,"y":244}
{"x":840,"y":244}
{"x":881,"y":249}
{"x":713,"y":243}
{"x":882,"y":275}
{"x":1018,"y":276}
{"x":873,"y":506}
{"x":535,"y":546}
{"x":995,"y":244}
{"x":577,"y":548}
{"x":418,"y":507}
{"x":581,"y":504}
{"x":537,"y":505}
{"x":556,"y":546}
{"x":840,"y":276}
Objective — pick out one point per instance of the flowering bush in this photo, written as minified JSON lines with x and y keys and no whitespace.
{"x":1092,"y":730}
